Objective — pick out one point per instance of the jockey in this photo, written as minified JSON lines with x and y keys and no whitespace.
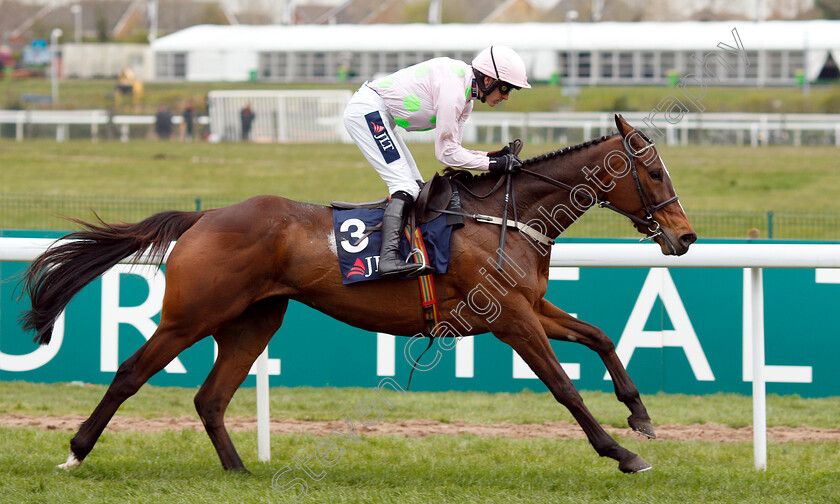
{"x":437,"y":94}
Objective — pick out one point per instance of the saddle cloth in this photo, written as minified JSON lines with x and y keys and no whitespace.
{"x":358,"y":247}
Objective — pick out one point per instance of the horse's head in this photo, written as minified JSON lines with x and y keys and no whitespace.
{"x":643,"y":192}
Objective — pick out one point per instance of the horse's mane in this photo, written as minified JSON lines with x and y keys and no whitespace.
{"x":464,"y":175}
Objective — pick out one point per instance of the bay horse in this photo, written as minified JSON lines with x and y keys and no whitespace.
{"x":233,"y":271}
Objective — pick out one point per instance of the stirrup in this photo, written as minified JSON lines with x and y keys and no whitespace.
{"x":420,"y":271}
{"x":417,"y":269}
{"x":423,"y":267}
{"x":401,"y":272}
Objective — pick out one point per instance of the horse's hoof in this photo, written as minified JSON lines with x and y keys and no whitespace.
{"x":72,"y":462}
{"x":635,"y":465}
{"x":239,"y":470}
{"x":641,"y":426}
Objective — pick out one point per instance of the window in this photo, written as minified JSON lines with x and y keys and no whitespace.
{"x":584,"y":64}
{"x":729,"y":66}
{"x":774,"y":64}
{"x":667,"y":64}
{"x":171,"y":65}
{"x":300,"y":64}
{"x":712,"y":66}
{"x":796,"y":63}
{"x":319,"y":65}
{"x":390,"y":62}
{"x":460,"y":55}
{"x":750,"y":72}
{"x":563,"y":64}
{"x":648,"y":65}
{"x":625,"y":65}
{"x":272,"y":66}
{"x":350,"y":62}
{"x":418,"y":57}
{"x":607,"y":61}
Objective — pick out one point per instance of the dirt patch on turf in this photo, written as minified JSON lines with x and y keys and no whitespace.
{"x":419,"y":428}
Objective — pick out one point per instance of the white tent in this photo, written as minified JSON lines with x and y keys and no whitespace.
{"x":232,"y":52}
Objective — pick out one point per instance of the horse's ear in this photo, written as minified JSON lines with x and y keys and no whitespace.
{"x":623,"y":127}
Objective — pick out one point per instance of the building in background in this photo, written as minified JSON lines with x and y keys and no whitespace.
{"x":774,"y":52}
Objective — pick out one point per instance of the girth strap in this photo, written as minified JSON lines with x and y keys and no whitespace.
{"x":428,"y":300}
{"x":521,"y":226}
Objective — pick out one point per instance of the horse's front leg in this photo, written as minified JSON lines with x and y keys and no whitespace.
{"x":529,"y":340}
{"x":559,"y":325}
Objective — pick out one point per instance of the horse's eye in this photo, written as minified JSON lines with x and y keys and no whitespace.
{"x":656,"y":175}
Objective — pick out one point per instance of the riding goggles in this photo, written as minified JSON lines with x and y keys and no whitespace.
{"x":505,"y":87}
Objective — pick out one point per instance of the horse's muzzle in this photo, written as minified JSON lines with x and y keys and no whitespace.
{"x":673,"y":245}
{"x":683,"y":243}
{"x":687,"y":239}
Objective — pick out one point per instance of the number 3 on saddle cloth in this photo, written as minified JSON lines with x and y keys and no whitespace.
{"x":358,"y":240}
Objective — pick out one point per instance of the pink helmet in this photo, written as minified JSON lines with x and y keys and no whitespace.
{"x":502,"y":64}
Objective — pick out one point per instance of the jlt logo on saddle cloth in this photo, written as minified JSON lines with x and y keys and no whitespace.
{"x":358,"y":248}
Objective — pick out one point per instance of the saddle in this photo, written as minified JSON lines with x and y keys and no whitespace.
{"x":436,"y":195}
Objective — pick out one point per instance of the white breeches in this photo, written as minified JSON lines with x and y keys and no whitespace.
{"x":371,"y":126}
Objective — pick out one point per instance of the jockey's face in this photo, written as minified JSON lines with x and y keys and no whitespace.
{"x":496,"y":96}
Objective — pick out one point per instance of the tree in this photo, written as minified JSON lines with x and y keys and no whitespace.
{"x":829,"y":9}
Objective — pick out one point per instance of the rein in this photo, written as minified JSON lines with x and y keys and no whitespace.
{"x":476,"y":196}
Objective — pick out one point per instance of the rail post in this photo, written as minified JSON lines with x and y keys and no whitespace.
{"x":758,"y":380}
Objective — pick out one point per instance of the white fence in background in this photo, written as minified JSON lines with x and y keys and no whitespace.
{"x":280,"y":116}
{"x":751,"y":257}
{"x":95,"y":119}
{"x":316,"y":116}
{"x":745,"y":128}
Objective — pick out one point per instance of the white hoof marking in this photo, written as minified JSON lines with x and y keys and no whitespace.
{"x":72,"y":462}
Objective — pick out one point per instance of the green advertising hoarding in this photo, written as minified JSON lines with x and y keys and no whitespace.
{"x":677,"y":330}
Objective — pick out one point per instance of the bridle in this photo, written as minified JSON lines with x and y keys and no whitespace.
{"x":648,"y":222}
{"x":648,"y":205}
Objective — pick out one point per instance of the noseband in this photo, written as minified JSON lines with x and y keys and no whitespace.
{"x":649,"y":222}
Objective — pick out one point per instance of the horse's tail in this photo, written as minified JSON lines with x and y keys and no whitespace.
{"x":59,"y":273}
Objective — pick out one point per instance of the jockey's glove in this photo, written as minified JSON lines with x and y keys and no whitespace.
{"x":507,"y":163}
{"x":499,"y":153}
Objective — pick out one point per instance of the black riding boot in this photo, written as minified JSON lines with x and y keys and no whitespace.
{"x":393,"y":222}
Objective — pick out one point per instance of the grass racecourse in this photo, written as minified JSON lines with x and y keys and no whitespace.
{"x":180,"y":466}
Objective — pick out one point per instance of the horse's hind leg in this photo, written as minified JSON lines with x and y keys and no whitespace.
{"x":240,"y":342}
{"x":559,"y":325}
{"x":530,"y":342}
{"x":164,"y":345}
